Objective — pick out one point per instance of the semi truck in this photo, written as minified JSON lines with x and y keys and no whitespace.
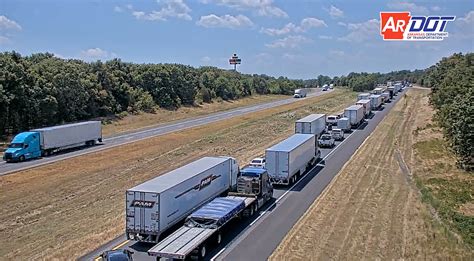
{"x":344,"y":124}
{"x":158,"y":204}
{"x":366,"y":105}
{"x":355,"y":113}
{"x":289,"y":159}
{"x":376,"y":101}
{"x":378,"y":90}
{"x":46,"y":141}
{"x":391,"y":91}
{"x":386,"y":97}
{"x":204,"y":227}
{"x":363,"y":96}
{"x":300,"y":93}
{"x":311,"y":124}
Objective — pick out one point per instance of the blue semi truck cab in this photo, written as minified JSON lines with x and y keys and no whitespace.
{"x":25,"y":145}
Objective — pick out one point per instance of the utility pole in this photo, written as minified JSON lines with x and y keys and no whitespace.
{"x":234,"y":60}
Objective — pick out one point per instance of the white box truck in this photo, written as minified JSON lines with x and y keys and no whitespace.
{"x":311,"y":124}
{"x":300,"y":93}
{"x":376,"y":101}
{"x":344,"y":124}
{"x":355,"y":113}
{"x":363,"y":96}
{"x":378,"y":90}
{"x":366,"y":105}
{"x":289,"y":159}
{"x":155,"y":205}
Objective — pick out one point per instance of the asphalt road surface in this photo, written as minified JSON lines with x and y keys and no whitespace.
{"x":7,"y":168}
{"x":256,"y":238}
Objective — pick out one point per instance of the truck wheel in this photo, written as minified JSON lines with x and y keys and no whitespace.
{"x":22,"y":158}
{"x":202,"y":251}
{"x":251,"y":211}
{"x":219,"y":238}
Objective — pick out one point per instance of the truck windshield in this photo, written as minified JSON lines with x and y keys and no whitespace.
{"x":249,"y":174}
{"x":16,"y":145}
{"x":324,"y":137}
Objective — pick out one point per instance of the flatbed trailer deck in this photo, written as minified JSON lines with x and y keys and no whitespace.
{"x":187,"y":239}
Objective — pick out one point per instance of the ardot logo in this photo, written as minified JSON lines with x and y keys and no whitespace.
{"x":401,"y":26}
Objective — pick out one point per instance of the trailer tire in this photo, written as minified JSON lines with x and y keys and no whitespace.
{"x":251,"y":210}
{"x":219,"y":238}
{"x":202,"y":251}
{"x":21,"y":158}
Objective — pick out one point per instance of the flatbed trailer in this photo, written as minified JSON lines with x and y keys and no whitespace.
{"x":204,"y":226}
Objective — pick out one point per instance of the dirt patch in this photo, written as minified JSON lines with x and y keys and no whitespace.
{"x":66,"y":209}
{"x":373,"y":210}
{"x":162,"y":116}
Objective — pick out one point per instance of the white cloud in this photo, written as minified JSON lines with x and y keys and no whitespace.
{"x":118,"y":9}
{"x":336,"y":53}
{"x":436,"y":8}
{"x":225,"y":21}
{"x":4,"y":40}
{"x":291,"y":41}
{"x":206,"y":59}
{"x":171,"y":8}
{"x":335,"y":12}
{"x":342,"y":24}
{"x":412,"y":7}
{"x":96,"y":54}
{"x":465,"y":26}
{"x":263,"y":7}
{"x":468,"y":19}
{"x":325,"y":37}
{"x":304,"y":26}
{"x":7,"y":24}
{"x":361,"y":32}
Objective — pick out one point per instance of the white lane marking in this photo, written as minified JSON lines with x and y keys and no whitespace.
{"x":218,"y":253}
{"x":261,"y":214}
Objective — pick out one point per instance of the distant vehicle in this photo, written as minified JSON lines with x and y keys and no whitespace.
{"x":378,"y":90}
{"x":117,"y":255}
{"x":386,"y":97}
{"x":326,"y":140}
{"x":363,"y":96}
{"x":376,"y":101}
{"x":156,"y":205}
{"x":204,"y":227}
{"x":289,"y":159}
{"x":331,"y":120}
{"x":46,"y":141}
{"x":344,"y":124}
{"x":311,"y":124}
{"x":258,"y":163}
{"x":331,"y":86}
{"x":325,"y":87}
{"x":366,"y":105}
{"x":337,"y":134}
{"x":356,"y":114}
{"x":300,"y":93}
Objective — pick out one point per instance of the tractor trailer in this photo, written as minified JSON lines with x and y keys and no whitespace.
{"x":311,"y":124}
{"x":204,"y":227}
{"x":363,"y":96}
{"x":366,"y":105}
{"x":376,"y":101}
{"x":156,"y":205}
{"x":355,"y":113}
{"x":289,"y":159}
{"x":43,"y":142}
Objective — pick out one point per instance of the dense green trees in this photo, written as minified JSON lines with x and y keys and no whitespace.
{"x":452,"y":84}
{"x":41,"y":90}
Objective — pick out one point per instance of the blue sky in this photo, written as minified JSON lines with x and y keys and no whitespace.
{"x":297,"y":39}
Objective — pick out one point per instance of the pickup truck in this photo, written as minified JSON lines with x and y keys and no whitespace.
{"x":331,"y":120}
{"x":258,"y":163}
{"x":337,"y":134}
{"x":326,"y":140}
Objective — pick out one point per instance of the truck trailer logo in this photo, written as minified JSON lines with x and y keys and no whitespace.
{"x":142,"y":204}
{"x":401,"y":26}
{"x":202,"y":184}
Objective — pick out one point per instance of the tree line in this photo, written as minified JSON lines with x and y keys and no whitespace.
{"x":43,"y":90}
{"x":452,"y":83}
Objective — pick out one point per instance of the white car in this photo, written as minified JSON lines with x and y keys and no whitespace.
{"x":331,"y":120}
{"x":326,"y":140}
{"x":258,"y":163}
{"x":337,"y":134}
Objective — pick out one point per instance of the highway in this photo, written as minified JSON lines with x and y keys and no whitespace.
{"x":257,"y":238}
{"x":110,"y":142}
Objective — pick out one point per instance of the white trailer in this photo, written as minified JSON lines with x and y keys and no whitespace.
{"x":289,"y":159}
{"x":300,"y":93}
{"x":378,"y":90}
{"x":311,"y":124}
{"x":355,"y":113}
{"x":366,"y":105}
{"x":385,"y":96}
{"x":155,"y":205}
{"x":344,"y":124}
{"x":69,"y":135}
{"x":363,"y":96}
{"x":376,"y":101}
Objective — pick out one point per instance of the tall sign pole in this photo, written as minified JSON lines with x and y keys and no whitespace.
{"x":234,"y":60}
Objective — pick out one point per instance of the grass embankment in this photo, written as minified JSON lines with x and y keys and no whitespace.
{"x":66,"y":209}
{"x":373,"y":209}
{"x":162,"y":116}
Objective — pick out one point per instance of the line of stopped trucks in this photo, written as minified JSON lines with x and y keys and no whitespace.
{"x":186,"y":210}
